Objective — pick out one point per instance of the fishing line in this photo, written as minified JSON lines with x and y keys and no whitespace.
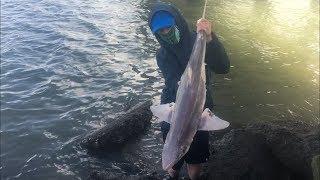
{"x":204,"y":9}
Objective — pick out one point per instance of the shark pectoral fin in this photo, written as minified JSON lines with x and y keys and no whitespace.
{"x":163,"y":112}
{"x":210,"y":122}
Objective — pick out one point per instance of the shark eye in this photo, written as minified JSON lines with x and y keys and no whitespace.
{"x":183,"y":150}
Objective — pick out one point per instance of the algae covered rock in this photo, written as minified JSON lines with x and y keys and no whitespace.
{"x":110,"y":176}
{"x":270,"y":150}
{"x":120,"y":130}
{"x":315,"y":164}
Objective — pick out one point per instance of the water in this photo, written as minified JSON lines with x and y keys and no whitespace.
{"x":274,"y":51}
{"x":67,"y":65}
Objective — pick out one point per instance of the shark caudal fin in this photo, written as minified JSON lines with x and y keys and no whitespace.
{"x":163,"y":112}
{"x":210,"y":122}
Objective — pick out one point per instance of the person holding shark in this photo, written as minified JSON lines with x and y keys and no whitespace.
{"x":176,"y":41}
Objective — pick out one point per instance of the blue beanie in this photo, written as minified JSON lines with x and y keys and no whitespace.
{"x":161,"y":19}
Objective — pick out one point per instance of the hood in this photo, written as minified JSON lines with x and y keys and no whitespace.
{"x":184,"y":47}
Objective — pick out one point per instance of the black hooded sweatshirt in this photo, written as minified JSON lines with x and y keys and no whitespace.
{"x":173,"y":59}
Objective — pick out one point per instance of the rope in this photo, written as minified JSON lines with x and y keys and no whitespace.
{"x":204,"y":9}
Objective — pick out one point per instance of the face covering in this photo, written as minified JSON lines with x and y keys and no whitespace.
{"x":172,"y":37}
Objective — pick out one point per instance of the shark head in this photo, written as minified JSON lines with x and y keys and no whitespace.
{"x":170,"y":156}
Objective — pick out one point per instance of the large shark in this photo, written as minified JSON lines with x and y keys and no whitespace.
{"x":187,"y":114}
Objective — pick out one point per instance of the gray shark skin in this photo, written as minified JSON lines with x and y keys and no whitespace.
{"x":189,"y":105}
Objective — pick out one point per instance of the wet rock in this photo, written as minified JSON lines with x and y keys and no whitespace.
{"x":109,"y":176}
{"x":120,"y":130}
{"x":279,"y":150}
{"x":293,"y":143}
{"x":270,"y":150}
{"x":315,"y":164}
{"x":242,"y":155}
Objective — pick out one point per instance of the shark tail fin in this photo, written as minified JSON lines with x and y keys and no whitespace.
{"x":210,"y":122}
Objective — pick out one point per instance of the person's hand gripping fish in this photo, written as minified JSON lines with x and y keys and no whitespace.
{"x":206,"y":26}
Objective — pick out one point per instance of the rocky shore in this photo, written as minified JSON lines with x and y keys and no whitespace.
{"x":280,"y":150}
{"x":271,"y":150}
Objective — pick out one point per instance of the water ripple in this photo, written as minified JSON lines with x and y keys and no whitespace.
{"x":68,"y":66}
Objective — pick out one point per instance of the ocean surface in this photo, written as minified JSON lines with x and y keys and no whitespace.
{"x":69,"y":66}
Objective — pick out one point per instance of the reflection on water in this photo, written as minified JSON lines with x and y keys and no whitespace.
{"x":66,"y":65}
{"x":274,"y":49}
